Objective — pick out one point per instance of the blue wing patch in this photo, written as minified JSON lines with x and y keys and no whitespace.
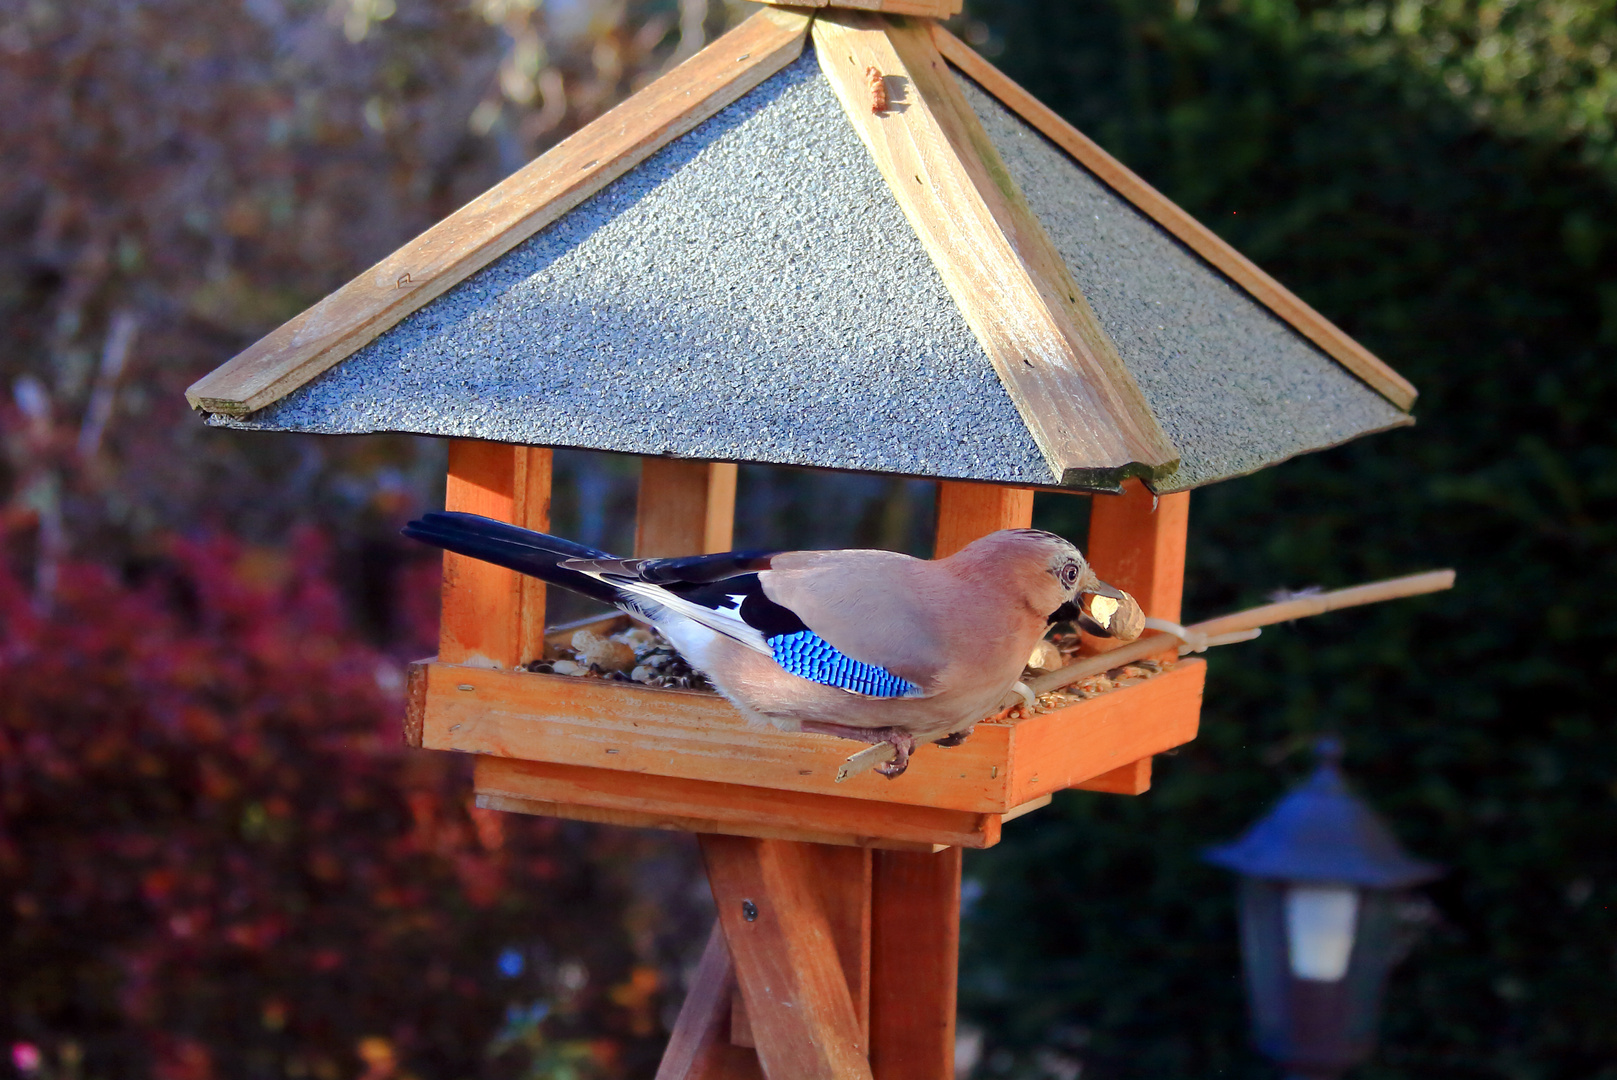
{"x":809,"y":656}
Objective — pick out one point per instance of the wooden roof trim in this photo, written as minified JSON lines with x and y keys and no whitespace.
{"x":930,"y":9}
{"x":1060,"y":369}
{"x":504,"y":216}
{"x":1200,"y":239}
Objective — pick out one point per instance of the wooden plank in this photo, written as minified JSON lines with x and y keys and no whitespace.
{"x":696,"y":736}
{"x":494,"y":617}
{"x":531,"y":485}
{"x":635,"y":819}
{"x":931,"y":9}
{"x":969,"y":511}
{"x":415,"y":703}
{"x":482,"y":603}
{"x":740,"y":1026}
{"x":842,"y":879}
{"x":1026,"y":808}
{"x":915,"y":960}
{"x":1192,"y":233}
{"x":1137,"y":543}
{"x":503,"y":217}
{"x":661,"y":802}
{"x":684,"y":507}
{"x":1052,"y":756}
{"x":719,"y":525}
{"x":698,"y":1048}
{"x":1061,"y":370}
{"x":1131,"y":779}
{"x":784,"y":950}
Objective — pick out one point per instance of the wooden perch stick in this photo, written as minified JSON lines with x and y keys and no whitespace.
{"x":1240,"y":626}
{"x":1296,"y":608}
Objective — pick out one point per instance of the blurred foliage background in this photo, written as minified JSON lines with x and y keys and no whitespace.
{"x":214,"y":857}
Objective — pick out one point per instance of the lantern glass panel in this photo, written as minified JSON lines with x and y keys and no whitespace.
{"x":1321,"y":921}
{"x":1313,"y":1024}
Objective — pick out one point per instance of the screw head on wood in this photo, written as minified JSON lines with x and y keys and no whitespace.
{"x":749,"y":910}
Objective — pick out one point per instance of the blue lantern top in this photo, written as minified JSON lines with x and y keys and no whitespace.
{"x":1322,"y":832}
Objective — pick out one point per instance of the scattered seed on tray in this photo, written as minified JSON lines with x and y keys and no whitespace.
{"x":638,"y":654}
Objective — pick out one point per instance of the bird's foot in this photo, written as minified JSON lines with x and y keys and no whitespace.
{"x":954,"y":738}
{"x":903,"y":742}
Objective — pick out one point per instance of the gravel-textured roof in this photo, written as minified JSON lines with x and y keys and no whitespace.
{"x":751,"y":292}
{"x":1234,"y":387}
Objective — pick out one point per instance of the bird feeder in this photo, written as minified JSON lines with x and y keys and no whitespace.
{"x":834,"y":239}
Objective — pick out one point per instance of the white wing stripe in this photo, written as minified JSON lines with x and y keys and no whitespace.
{"x":728,"y":623}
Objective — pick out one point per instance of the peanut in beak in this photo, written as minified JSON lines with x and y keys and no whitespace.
{"x":1114,"y":611}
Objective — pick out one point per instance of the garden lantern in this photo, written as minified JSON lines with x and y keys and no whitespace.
{"x":1321,"y":878}
{"x":832,"y":239}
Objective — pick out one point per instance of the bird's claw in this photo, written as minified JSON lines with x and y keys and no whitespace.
{"x":902,"y":742}
{"x":903,"y":745}
{"x":954,"y":738}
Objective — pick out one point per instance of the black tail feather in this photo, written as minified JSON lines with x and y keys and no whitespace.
{"x":523,"y":550}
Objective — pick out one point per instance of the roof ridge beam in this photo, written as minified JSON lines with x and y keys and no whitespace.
{"x":932,"y":9}
{"x":1081,"y":405}
{"x":507,"y":214}
{"x":1217,"y":251}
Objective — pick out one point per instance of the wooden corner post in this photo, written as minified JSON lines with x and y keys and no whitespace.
{"x":684,"y":507}
{"x":1137,"y":543}
{"x":494,"y":617}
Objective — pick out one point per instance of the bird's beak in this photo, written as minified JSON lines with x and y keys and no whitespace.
{"x":1110,"y":612}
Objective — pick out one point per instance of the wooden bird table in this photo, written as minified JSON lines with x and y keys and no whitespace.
{"x":836,"y":947}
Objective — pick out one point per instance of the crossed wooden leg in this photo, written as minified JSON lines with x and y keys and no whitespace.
{"x":830,"y":963}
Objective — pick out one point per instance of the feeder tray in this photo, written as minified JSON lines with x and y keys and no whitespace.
{"x":599,"y":750}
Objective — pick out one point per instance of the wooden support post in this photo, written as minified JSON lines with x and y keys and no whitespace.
{"x":844,"y":876}
{"x":783,"y":943}
{"x":967,"y":511}
{"x":842,"y":885}
{"x":493,"y":617}
{"x":532,"y":477}
{"x":685,"y":507}
{"x":914,"y":964}
{"x":1137,"y":543}
{"x":699,"y":1047}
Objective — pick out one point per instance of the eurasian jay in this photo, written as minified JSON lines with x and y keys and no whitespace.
{"x":868,"y":645}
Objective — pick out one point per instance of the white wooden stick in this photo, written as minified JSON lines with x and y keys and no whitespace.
{"x":1226,"y":629}
{"x":866,"y":759}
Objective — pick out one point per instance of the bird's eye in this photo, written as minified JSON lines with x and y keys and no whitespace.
{"x":1069,"y":575}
